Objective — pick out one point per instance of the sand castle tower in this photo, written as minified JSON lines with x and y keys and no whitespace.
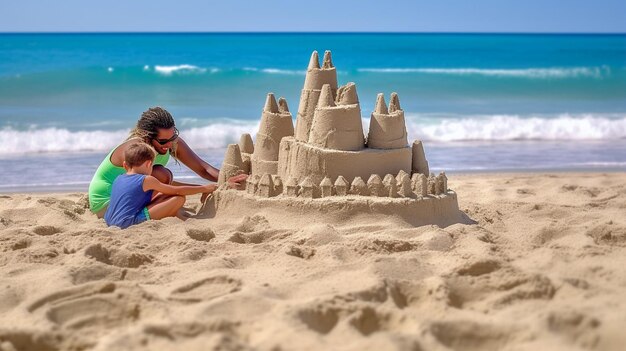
{"x":327,"y":158}
{"x":232,"y":165}
{"x":276,"y":123}
{"x":336,"y":145}
{"x":315,"y":79}
{"x":337,"y":125}
{"x":387,"y":126}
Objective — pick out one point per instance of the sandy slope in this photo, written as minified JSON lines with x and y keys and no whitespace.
{"x":543,"y":268}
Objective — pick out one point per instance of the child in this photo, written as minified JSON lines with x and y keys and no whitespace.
{"x":132,"y":200}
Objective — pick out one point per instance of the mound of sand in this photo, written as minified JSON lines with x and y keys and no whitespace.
{"x":542,"y":267}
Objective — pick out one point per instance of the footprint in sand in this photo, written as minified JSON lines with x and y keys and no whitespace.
{"x":367,"y":321}
{"x":384,"y":246}
{"x":95,"y":272}
{"x":20,"y":243}
{"x":45,"y":230}
{"x":489,"y":284}
{"x":258,"y":236}
{"x":468,"y":335}
{"x":320,"y":319}
{"x":117,"y":257}
{"x":201,"y":234}
{"x":93,"y":305}
{"x":300,"y":251}
{"x":5,"y":221}
{"x":206,"y":289}
{"x":252,"y":224}
{"x":357,"y":310}
{"x":579,"y":328}
{"x":15,"y":339}
{"x":326,"y":316}
{"x":608,"y":234}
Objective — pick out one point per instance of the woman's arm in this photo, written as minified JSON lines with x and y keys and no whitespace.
{"x":189,"y":158}
{"x":151,"y":183}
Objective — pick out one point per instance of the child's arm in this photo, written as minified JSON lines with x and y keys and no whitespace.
{"x":151,"y":183}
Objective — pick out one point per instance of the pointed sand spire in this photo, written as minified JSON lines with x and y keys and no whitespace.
{"x":326,"y":97}
{"x":314,"y":62}
{"x":291,"y":187}
{"x":432,"y":184}
{"x":252,"y":184}
{"x":381,"y":106}
{"x":282,"y":105}
{"x":423,"y":184}
{"x":326,"y":187}
{"x":245,"y":144}
{"x":445,"y":181}
{"x":339,"y":93}
{"x":278,"y":185}
{"x":401,"y":175}
{"x":391,"y":187}
{"x":394,"y":103}
{"x":405,"y":186}
{"x":375,"y":185}
{"x":232,"y":164}
{"x":265,"y":186}
{"x":341,"y":186}
{"x":270,"y":104}
{"x":358,"y":187}
{"x":347,"y":95}
{"x":307,"y":188}
{"x":328,"y":60}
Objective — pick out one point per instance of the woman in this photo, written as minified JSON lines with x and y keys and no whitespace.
{"x":156,"y":128}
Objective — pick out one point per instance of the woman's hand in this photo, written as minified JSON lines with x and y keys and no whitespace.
{"x":234,"y":182}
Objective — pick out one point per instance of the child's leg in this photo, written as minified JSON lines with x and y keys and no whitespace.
{"x":165,"y":206}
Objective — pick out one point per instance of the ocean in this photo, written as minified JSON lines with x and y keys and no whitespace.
{"x":480,"y":102}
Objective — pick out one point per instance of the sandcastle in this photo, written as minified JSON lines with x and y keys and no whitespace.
{"x":326,"y":162}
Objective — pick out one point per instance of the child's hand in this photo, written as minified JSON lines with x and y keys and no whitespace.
{"x":210,"y":188}
{"x":203,"y":197}
{"x":234,"y":182}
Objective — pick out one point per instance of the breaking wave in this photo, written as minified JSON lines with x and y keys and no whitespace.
{"x":530,"y":73}
{"x":215,"y":135}
{"x":184,"y":69}
{"x":283,"y":71}
{"x":513,"y":127}
{"x":220,"y":134}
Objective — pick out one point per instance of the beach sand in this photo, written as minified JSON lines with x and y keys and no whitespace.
{"x":543,"y":268}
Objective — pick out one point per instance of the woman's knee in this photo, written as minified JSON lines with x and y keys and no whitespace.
{"x":180,"y":200}
{"x":163,"y":174}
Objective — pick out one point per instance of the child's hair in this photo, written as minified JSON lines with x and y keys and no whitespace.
{"x":138,"y":153}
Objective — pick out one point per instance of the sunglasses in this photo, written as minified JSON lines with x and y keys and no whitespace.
{"x":165,"y":141}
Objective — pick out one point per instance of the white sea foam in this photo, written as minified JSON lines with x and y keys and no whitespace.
{"x":169,"y":70}
{"x":532,"y":73}
{"x":283,"y":71}
{"x":220,"y":134}
{"x":215,"y":135}
{"x":513,"y":127}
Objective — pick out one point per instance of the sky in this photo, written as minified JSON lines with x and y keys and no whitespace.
{"x":544,"y":16}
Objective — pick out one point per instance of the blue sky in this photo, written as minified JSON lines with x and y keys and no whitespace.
{"x":316,"y":15}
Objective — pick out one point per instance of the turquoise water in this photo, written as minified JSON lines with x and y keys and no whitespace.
{"x":76,"y":95}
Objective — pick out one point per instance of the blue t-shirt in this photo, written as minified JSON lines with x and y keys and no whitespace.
{"x":128,"y":201}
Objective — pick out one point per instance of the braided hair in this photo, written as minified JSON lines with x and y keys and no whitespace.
{"x":150,"y":122}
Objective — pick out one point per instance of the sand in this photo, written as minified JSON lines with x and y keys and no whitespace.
{"x":542,"y":268}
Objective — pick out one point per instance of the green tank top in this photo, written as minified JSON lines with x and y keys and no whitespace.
{"x":100,"y":186}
